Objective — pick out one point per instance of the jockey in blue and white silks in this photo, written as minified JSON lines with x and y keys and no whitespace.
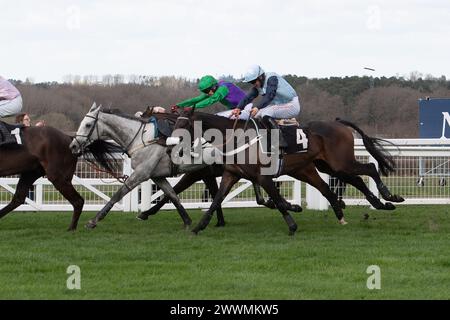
{"x":280,"y":101}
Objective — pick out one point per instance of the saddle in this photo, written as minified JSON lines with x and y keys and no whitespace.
{"x":10,"y":134}
{"x":295,"y":137}
{"x":163,"y":127}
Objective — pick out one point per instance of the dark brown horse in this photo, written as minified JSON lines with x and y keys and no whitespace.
{"x":45,"y":152}
{"x":208,"y":175}
{"x":331,"y":150}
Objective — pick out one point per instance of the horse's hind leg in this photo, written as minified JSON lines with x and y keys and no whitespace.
{"x":370,"y":170}
{"x":359,"y":184}
{"x":26,"y":181}
{"x":355,"y":181}
{"x":65,"y":187}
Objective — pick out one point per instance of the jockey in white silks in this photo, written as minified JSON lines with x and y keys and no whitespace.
{"x":10,"y":105}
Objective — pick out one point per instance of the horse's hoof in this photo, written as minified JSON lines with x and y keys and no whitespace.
{"x":142,"y":217}
{"x":389,"y":206}
{"x":194,"y":233}
{"x":342,"y":222}
{"x":91,"y":225}
{"x":296,"y":208}
{"x":398,"y":199}
{"x":220,"y":224}
{"x":186,"y":227}
{"x":292,"y":230}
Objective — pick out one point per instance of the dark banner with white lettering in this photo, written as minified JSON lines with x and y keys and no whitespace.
{"x":434,"y":115}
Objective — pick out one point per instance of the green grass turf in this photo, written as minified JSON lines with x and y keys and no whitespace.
{"x":251,"y":258}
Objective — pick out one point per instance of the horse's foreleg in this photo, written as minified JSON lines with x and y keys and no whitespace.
{"x":228,"y":181}
{"x":172,"y":195}
{"x":26,"y":181}
{"x":268,"y":185}
{"x":66,"y":188}
{"x":136,"y":178}
{"x":185,"y":182}
{"x":309,"y":175}
{"x":211,"y":184}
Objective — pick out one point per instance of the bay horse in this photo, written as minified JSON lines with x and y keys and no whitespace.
{"x":330,"y":150}
{"x":44,"y":152}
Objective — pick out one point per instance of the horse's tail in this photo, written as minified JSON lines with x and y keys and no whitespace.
{"x":375,"y":148}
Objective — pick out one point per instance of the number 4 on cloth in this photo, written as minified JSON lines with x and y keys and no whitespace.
{"x":302,"y":139}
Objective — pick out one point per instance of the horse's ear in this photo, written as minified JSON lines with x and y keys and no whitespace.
{"x":94,"y":106}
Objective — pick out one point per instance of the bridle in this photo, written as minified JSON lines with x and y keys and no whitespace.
{"x":88,"y":136}
{"x":95,"y":127}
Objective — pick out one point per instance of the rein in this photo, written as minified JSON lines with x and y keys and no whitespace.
{"x":96,"y":168}
{"x":216,"y":146}
{"x":229,"y":139}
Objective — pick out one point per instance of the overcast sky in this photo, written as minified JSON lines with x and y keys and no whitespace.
{"x":46,"y":40}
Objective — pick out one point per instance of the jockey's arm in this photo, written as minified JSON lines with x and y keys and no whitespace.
{"x":218,"y":96}
{"x":193,"y":101}
{"x":252,"y":95}
{"x":271,"y":92}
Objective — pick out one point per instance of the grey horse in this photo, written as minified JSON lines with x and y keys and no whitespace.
{"x":137,"y":137}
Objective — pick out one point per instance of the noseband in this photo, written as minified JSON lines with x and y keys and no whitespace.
{"x":88,"y":136}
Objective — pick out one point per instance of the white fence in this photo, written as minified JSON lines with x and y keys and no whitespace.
{"x":422,"y":177}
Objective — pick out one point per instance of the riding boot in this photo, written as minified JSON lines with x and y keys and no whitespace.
{"x":7,"y":137}
{"x":273,"y":125}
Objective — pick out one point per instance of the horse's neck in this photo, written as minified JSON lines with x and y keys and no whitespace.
{"x":220,"y":123}
{"x":119,"y":129}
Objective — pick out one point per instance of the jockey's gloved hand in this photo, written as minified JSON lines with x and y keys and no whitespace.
{"x":236,"y":112}
{"x":174,"y":109}
{"x":188,"y":110}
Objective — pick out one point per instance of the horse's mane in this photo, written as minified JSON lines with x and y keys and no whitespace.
{"x":120,"y":113}
{"x":103,"y":153}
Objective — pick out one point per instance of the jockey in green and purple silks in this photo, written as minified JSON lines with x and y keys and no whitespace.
{"x":214,"y":91}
